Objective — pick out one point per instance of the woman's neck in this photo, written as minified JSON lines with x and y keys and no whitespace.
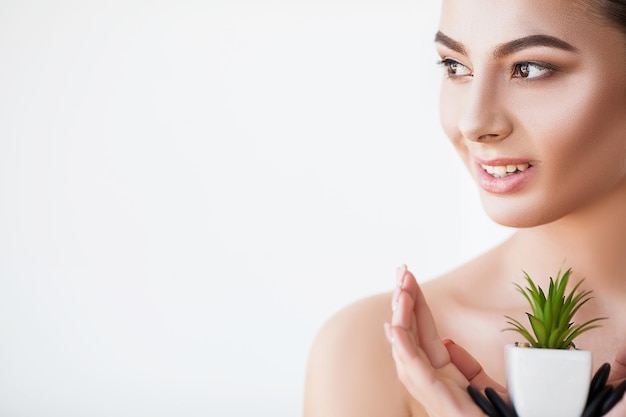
{"x":592,"y":241}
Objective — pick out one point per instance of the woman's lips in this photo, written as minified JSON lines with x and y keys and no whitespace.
{"x":503,"y":176}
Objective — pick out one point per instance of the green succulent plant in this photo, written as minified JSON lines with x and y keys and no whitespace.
{"x":552,"y":316}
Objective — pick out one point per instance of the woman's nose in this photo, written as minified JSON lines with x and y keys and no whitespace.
{"x":484,"y":117}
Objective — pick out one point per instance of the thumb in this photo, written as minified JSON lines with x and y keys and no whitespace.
{"x":470,"y":368}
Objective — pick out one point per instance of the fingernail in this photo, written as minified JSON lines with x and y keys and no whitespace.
{"x":400,"y":272}
{"x":388,"y":334}
{"x":394,"y":298}
{"x":448,"y":342}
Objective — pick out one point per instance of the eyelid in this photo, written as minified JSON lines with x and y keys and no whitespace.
{"x":444,"y":62}
{"x":550,"y":68}
{"x":539,"y":64}
{"x":447,"y":62}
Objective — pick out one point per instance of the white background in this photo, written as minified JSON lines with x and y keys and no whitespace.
{"x":189,"y":189}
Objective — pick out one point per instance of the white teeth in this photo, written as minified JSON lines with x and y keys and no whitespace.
{"x":500,"y":171}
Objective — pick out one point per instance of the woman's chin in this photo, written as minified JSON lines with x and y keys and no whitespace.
{"x":511,"y":212}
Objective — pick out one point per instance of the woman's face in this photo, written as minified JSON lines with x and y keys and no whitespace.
{"x":534,"y":100}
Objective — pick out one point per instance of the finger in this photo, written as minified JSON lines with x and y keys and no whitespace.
{"x":442,"y":391}
{"x":410,"y":359}
{"x":402,"y":315}
{"x":415,"y":362}
{"x":427,"y":336}
{"x":412,"y":364}
{"x":400,"y":271}
{"x":470,"y":367}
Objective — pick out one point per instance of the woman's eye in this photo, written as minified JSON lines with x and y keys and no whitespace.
{"x":455,"y":68}
{"x":529,"y":70}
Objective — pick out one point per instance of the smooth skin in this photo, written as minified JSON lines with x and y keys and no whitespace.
{"x":510,"y":94}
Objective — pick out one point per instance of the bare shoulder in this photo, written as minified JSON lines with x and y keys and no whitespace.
{"x":350,"y":370}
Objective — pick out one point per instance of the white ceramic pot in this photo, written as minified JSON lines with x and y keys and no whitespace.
{"x":548,"y":382}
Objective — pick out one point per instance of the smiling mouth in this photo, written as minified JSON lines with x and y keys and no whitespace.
{"x":501,"y":171}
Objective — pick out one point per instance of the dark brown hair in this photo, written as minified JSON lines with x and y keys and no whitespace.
{"x":614,"y":11}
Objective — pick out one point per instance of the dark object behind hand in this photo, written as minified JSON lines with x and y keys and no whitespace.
{"x":601,"y":399}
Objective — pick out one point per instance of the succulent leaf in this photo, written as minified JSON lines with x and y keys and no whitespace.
{"x":538,"y":328}
{"x":521,"y":330}
{"x":551,"y":320}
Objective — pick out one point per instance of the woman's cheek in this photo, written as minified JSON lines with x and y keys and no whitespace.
{"x":449,"y":115}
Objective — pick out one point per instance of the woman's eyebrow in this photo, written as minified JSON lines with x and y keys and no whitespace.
{"x":516,"y":45}
{"x":510,"y":47}
{"x":456,"y":46}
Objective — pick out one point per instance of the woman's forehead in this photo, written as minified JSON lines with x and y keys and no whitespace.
{"x":483,"y":24}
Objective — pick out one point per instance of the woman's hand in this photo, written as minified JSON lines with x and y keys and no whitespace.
{"x":435,"y":372}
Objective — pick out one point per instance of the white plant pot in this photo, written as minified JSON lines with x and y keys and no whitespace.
{"x":548,"y":382}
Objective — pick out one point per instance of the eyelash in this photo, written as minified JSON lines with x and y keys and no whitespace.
{"x":447,"y":64}
{"x":516,"y":68}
